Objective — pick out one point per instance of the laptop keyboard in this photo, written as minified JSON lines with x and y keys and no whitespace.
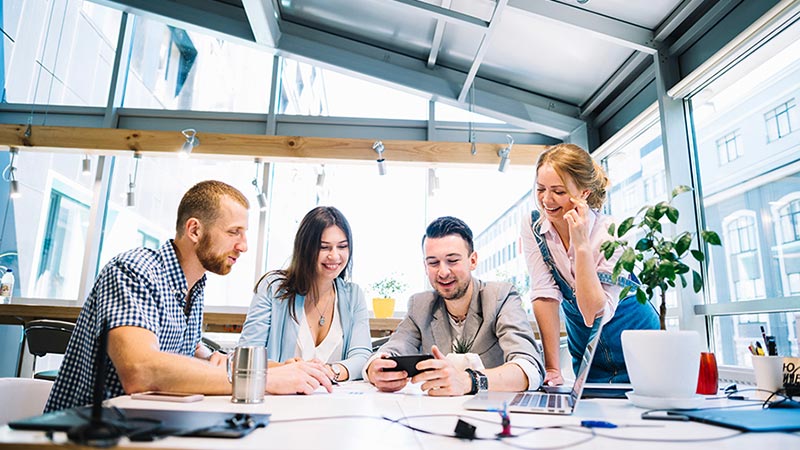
{"x":539,"y":400}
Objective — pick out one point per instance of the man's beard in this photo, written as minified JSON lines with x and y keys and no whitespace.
{"x":216,"y":263}
{"x":461,"y":289}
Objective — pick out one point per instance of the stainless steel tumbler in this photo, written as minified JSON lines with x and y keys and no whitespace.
{"x":247,"y":372}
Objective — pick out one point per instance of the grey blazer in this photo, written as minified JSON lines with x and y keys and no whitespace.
{"x":496,"y":319}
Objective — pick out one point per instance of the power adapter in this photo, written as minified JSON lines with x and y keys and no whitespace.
{"x":465,"y":430}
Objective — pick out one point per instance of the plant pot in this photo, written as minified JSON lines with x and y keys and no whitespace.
{"x":383,"y":307}
{"x":661,"y":363}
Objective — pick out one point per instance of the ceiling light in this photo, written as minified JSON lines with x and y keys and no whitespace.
{"x":261,"y":196}
{"x":504,"y":153}
{"x":86,"y":165}
{"x":191,"y":142}
{"x":9,"y":174}
{"x":379,"y":149}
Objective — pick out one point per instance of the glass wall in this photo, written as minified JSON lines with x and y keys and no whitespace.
{"x":171,"y":68}
{"x":312,"y":91}
{"x":57,"y":52}
{"x":388,"y":214}
{"x":160,"y":182}
{"x":747,"y":143}
{"x":44,"y":230}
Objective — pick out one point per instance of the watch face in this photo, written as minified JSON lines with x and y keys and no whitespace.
{"x":483,"y":382}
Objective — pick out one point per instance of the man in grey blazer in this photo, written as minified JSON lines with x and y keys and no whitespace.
{"x":487,"y":315}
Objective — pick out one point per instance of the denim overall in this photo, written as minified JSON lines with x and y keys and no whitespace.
{"x":609,"y":364}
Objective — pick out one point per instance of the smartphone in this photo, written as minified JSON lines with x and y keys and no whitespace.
{"x":180,"y":397}
{"x":408,"y":363}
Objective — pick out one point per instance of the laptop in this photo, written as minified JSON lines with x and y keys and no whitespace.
{"x":540,"y":402}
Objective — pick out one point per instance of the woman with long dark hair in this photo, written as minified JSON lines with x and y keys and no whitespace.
{"x":310,"y":311}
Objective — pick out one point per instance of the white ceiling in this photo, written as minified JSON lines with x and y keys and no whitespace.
{"x":545,"y":65}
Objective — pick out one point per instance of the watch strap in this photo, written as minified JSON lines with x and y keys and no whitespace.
{"x":473,"y":376}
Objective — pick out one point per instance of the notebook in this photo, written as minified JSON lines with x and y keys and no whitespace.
{"x":542,"y":402}
{"x":747,"y":419}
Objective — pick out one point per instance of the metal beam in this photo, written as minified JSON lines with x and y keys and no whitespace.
{"x":206,"y":16}
{"x":438,"y":34}
{"x":606,"y":28}
{"x":527,"y":110}
{"x":482,"y":48}
{"x":263,"y":18}
{"x":622,"y":75}
{"x":702,"y":25}
{"x":676,"y":18}
{"x":625,"y":96}
{"x":446,"y":14}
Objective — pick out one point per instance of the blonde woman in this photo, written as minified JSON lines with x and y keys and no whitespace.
{"x":568,"y":271}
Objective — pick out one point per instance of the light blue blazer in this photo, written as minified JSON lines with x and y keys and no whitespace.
{"x":269,"y":324}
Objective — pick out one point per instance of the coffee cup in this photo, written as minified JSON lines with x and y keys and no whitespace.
{"x":247,"y":373}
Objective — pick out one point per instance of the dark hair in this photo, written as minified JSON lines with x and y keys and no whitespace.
{"x":202,"y":201}
{"x":447,"y":225}
{"x":298,"y":278}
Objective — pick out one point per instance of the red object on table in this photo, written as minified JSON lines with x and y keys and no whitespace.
{"x":708,"y":380}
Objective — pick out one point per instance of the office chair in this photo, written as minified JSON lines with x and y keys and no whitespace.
{"x":44,"y":337}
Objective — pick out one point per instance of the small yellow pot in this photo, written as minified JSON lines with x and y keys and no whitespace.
{"x":383,"y":307}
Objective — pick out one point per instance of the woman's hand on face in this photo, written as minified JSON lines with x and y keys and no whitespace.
{"x":553,"y":377}
{"x":577,"y":222}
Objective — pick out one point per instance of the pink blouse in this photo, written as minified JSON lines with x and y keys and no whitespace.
{"x":542,"y":283}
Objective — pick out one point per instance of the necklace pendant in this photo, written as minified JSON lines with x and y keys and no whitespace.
{"x":321,"y":320}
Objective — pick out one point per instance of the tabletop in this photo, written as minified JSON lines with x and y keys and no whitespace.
{"x":356,"y":416}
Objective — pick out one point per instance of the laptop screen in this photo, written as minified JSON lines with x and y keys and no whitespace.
{"x":586,"y":359}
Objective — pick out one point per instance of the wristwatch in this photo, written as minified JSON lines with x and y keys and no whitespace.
{"x":337,"y":371}
{"x":483,"y":381}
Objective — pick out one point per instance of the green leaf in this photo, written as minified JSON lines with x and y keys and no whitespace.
{"x":628,"y":259}
{"x":617,"y":269}
{"x":697,"y":282}
{"x":672,"y":214}
{"x":607,"y":248}
{"x":643,"y":244}
{"x":624,"y":292}
{"x":682,"y":242}
{"x":626,"y":225}
{"x":611,"y":228}
{"x":710,"y":237}
{"x":680,"y":190}
{"x":641,"y":297}
{"x":698,"y":255}
{"x":681,"y":268}
{"x":683,"y":281}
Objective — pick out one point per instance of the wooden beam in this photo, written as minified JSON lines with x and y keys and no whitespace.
{"x":104,"y":140}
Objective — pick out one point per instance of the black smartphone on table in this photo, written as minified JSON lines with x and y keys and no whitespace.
{"x":408,"y":363}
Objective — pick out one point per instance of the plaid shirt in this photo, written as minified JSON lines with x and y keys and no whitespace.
{"x":143,"y":288}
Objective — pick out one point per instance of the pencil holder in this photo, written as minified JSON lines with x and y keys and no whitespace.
{"x":769,"y":374}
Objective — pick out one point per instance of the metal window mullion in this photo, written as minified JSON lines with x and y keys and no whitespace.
{"x":101,"y":188}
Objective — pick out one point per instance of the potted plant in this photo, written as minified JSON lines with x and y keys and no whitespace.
{"x":658,"y":263}
{"x":386,"y":289}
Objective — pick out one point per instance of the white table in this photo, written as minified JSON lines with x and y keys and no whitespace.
{"x":336,"y":431}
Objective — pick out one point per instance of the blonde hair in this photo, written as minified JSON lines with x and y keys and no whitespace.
{"x":569,"y":160}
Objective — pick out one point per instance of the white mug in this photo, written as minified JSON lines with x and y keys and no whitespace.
{"x":247,"y":373}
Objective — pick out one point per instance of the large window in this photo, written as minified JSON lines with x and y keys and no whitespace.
{"x":781,"y":121}
{"x":160,"y":182}
{"x":752,"y":200}
{"x":311,"y":91}
{"x":57,"y":52}
{"x":44,"y":230}
{"x":171,"y":68}
{"x":388,"y":215}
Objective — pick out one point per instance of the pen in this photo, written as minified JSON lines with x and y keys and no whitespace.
{"x":764,"y":335}
{"x":759,"y":349}
{"x":772,"y":346}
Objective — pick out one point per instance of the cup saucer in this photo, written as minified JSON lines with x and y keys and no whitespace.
{"x":648,"y":402}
